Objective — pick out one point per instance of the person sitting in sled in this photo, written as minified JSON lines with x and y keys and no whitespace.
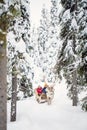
{"x":39,"y":90}
{"x":44,"y":88}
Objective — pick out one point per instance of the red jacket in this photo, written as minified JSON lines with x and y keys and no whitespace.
{"x":39,"y":90}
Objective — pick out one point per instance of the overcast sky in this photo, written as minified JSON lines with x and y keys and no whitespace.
{"x":35,"y":10}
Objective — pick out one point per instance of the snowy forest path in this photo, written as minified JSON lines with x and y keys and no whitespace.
{"x":59,"y":115}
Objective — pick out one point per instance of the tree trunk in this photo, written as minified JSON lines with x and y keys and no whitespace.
{"x":3,"y":86}
{"x":74,"y":81}
{"x":75,"y":4}
{"x":14,"y":97}
{"x":74,"y":75}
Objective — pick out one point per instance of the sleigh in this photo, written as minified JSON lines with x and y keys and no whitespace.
{"x":42,"y":98}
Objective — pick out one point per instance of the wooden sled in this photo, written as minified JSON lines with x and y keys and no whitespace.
{"x":44,"y":97}
{"x":40,"y":98}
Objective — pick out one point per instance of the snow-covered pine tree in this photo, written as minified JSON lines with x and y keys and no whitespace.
{"x":23,"y":24}
{"x":82,"y":49}
{"x":43,"y":34}
{"x":82,"y":41}
{"x":67,"y":56}
{"x":53,"y":39}
{"x":7,"y":13}
{"x":20,"y":29}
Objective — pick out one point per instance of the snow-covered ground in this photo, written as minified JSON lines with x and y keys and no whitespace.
{"x":60,"y":115}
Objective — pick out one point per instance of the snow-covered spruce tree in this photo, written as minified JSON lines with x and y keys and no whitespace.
{"x":10,"y":54}
{"x":34,"y":53}
{"x":82,"y":40}
{"x":20,"y":29}
{"x":67,"y":55}
{"x":43,"y":34}
{"x":82,"y":49}
{"x":53,"y":39}
{"x":13,"y":62}
{"x":7,"y":13}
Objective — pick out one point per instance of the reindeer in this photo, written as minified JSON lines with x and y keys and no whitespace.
{"x":50,"y":94}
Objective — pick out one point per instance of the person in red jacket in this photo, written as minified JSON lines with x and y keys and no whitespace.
{"x":39,"y":90}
